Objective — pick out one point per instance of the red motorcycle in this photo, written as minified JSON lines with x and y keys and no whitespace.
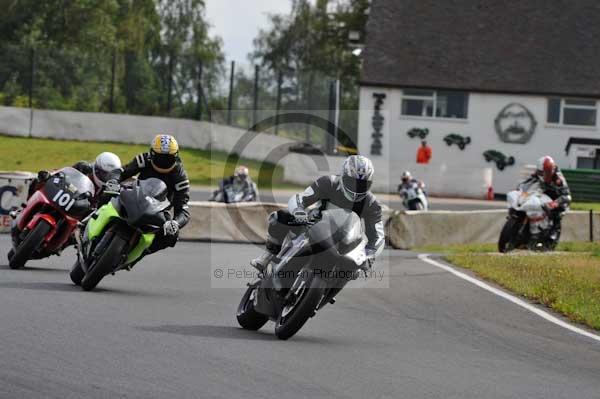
{"x":45,"y":226}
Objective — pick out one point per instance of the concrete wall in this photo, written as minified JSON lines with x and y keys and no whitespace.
{"x":399,"y":151}
{"x":87,"y":126}
{"x":407,"y":230}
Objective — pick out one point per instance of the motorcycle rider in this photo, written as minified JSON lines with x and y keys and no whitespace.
{"x":163,"y":162}
{"x":554,"y":185}
{"x":408,"y":181}
{"x":105,"y":168}
{"x":349,"y":190}
{"x":241,"y":182}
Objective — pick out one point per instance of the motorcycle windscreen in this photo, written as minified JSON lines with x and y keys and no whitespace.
{"x":339,"y":228}
{"x":144,"y":204}
{"x":71,"y":191}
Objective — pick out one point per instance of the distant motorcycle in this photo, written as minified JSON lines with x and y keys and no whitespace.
{"x":118,"y":234}
{"x":528,"y":225}
{"x":230,"y":194}
{"x":315,"y":262}
{"x":46,"y":224}
{"x":414,"y":197}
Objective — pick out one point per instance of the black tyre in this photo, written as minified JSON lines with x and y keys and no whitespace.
{"x":29,"y":245}
{"x":104,"y":264}
{"x":293,"y":317}
{"x":419,"y":206}
{"x":77,"y":274}
{"x":247,"y":317}
{"x":461,"y":146}
{"x":507,"y":235}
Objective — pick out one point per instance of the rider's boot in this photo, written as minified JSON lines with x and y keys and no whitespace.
{"x":262,"y":262}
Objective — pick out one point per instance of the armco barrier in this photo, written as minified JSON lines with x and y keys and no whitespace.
{"x":407,"y":230}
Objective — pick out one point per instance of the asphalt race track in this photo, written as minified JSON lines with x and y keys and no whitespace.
{"x":161,"y":331}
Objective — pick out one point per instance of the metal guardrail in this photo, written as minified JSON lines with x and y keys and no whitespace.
{"x":584,"y":184}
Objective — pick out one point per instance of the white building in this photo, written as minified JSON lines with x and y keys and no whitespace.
{"x":514,"y":79}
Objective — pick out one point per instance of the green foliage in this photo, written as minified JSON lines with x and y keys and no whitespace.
{"x":76,"y":42}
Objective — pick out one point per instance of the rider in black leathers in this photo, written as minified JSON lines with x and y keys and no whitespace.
{"x":163,"y":162}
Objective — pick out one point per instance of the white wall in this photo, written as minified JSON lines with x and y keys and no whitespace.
{"x":462,"y":169}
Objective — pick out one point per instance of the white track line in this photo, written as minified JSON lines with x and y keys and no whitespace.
{"x":545,"y":315}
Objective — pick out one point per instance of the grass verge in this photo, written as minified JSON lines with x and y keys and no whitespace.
{"x":580,"y":246}
{"x":585,"y":206}
{"x":569,"y":283}
{"x":203,"y":167}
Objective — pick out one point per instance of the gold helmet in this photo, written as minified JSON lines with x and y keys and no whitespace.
{"x":164,"y":153}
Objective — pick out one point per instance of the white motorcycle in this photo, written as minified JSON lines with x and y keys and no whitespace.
{"x":529,"y":225}
{"x":414,"y":197}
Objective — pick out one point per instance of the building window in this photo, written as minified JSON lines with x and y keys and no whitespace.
{"x":435,"y":104}
{"x":563,"y":111}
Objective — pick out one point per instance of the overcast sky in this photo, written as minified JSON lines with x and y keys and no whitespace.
{"x":238,"y":22}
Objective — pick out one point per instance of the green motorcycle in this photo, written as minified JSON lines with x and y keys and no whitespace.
{"x":119,"y":234}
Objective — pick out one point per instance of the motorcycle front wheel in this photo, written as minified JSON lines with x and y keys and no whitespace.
{"x":104,"y":264}
{"x":296,"y":313}
{"x":507,"y":235}
{"x":247,"y":317}
{"x":29,"y":245}
{"x":77,"y":274}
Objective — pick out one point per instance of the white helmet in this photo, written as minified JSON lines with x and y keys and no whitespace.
{"x":104,"y":168}
{"x":357,"y":177}
{"x":406,"y":175}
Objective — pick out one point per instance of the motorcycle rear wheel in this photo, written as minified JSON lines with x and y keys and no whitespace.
{"x":304,"y":307}
{"x":30,"y":244}
{"x":247,"y":317}
{"x":104,"y":264}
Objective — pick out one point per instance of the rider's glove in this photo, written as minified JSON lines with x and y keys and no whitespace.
{"x":171,"y":228}
{"x":370,"y":255}
{"x":112,"y":187}
{"x":300,"y":216}
{"x":43,"y":175}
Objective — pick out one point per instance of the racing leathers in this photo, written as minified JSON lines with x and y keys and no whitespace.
{"x":327,"y":189}
{"x":404,"y":186}
{"x":558,"y":190}
{"x":178,"y":186}
{"x":240,"y":185}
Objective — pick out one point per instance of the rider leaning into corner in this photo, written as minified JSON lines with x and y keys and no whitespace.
{"x":105,"y":168}
{"x":554,"y":185}
{"x":350,"y":190}
{"x":163,"y":162}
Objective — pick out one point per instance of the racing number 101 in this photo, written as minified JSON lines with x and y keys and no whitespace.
{"x":64,"y":200}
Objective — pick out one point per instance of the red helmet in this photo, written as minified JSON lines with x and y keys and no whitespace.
{"x":546,"y":167}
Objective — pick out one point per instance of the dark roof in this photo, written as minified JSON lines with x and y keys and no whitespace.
{"x":580,"y":140}
{"x":512,"y":46}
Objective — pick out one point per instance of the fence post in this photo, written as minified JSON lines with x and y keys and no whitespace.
{"x":332,"y":131}
{"x":230,"y":99}
{"x":31,"y":84}
{"x":311,"y":79}
{"x":255,"y":100}
{"x":199,"y":91}
{"x":278,"y":104}
{"x":170,"y":83}
{"x":591,"y":225}
{"x":111,"y":104}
